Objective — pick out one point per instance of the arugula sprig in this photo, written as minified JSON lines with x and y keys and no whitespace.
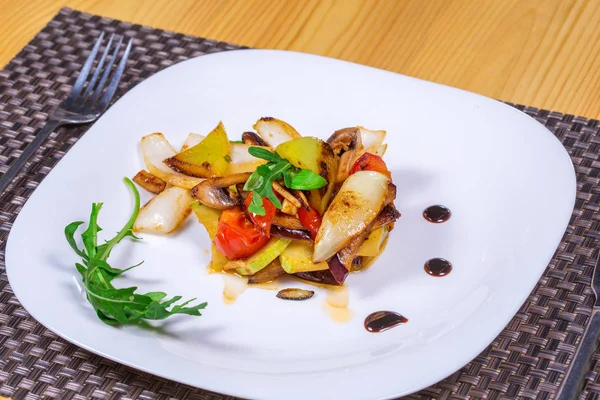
{"x":261,"y":180}
{"x":118,"y":306}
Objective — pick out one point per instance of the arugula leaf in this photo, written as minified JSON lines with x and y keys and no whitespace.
{"x":265,"y":154}
{"x":91,"y":233}
{"x":256,"y":205}
{"x":261,"y":180}
{"x":306,"y":180}
{"x":261,"y":183}
{"x":288,"y":176}
{"x":70,"y":235}
{"x":115,"y":306}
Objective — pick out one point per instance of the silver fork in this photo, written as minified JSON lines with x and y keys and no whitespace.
{"x":79,"y":108}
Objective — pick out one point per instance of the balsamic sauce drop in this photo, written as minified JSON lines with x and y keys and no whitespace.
{"x":380,"y":321}
{"x":437,"y":214}
{"x":438,"y":267}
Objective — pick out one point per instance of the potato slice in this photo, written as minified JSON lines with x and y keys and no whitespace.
{"x":241,"y":160}
{"x":217,"y":259}
{"x":260,"y":259}
{"x":208,"y":158}
{"x":275,"y":131}
{"x":209,"y":217}
{"x":354,"y":207}
{"x":297,"y":257}
{"x":370,"y":247}
{"x":155,"y":148}
{"x":267,"y":274}
{"x":305,"y":152}
{"x":317,"y":156}
{"x":165,"y":212}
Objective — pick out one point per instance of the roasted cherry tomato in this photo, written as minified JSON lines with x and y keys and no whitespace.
{"x":310,"y":219}
{"x":237,"y":237}
{"x":262,"y":221}
{"x":370,"y":162}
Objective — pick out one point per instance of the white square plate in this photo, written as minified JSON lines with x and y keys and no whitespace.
{"x":508,"y":181}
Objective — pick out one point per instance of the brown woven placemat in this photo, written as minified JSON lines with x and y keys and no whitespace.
{"x":526,"y":360}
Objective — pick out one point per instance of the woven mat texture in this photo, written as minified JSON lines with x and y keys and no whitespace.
{"x":527,"y":360}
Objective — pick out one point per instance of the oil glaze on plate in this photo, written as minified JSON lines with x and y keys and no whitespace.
{"x":508,"y":181}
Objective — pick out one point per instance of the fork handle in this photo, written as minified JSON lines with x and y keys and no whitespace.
{"x":575,"y":376}
{"x":29,"y":151}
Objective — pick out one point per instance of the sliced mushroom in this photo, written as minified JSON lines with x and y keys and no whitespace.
{"x":344,"y":166}
{"x":150,"y":182}
{"x":295,"y":294}
{"x":386,"y":216}
{"x":390,"y":196}
{"x":357,"y":264}
{"x":336,"y":189}
{"x":253,"y":139}
{"x":347,"y":254}
{"x":243,"y":193}
{"x":345,"y":144}
{"x":344,"y":139}
{"x":212,"y":191}
{"x":268,"y":273}
{"x":287,"y":221}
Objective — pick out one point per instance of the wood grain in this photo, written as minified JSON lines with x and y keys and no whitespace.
{"x":536,"y":52}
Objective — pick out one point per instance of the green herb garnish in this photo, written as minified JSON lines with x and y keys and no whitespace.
{"x":261,"y":180}
{"x":118,"y":306}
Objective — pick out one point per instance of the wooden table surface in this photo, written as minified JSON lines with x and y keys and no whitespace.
{"x":544,"y":53}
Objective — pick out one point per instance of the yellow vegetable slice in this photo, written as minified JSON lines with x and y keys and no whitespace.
{"x":297,"y":257}
{"x":208,"y":158}
{"x":372,"y":244}
{"x":209,"y":217}
{"x":317,"y":156}
{"x":155,"y":148}
{"x":261,"y":258}
{"x":241,"y":160}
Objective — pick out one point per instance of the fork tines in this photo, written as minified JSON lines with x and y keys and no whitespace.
{"x":96,"y":96}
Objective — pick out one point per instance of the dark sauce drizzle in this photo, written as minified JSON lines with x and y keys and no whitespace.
{"x":438,"y":267}
{"x":437,"y":214}
{"x":380,"y":321}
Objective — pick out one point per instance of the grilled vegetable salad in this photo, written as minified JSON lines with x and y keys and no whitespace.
{"x":275,"y":203}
